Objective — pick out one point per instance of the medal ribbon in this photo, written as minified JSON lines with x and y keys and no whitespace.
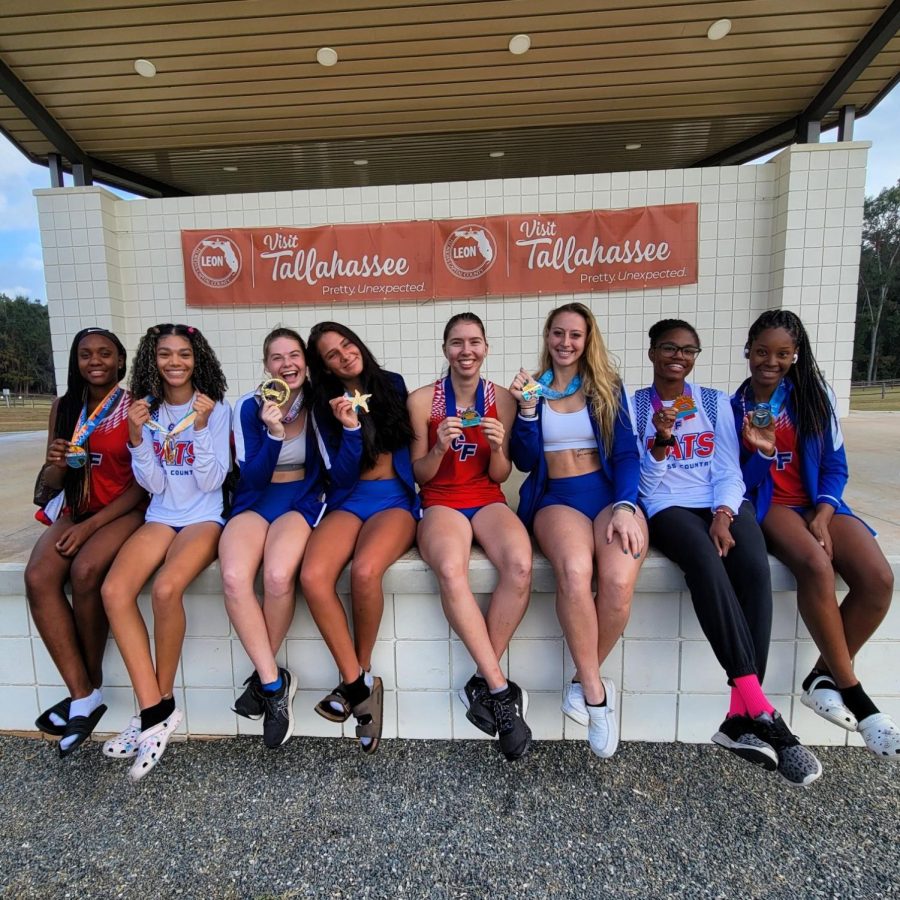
{"x":550,"y":394}
{"x":184,"y":422}
{"x":685,"y":410}
{"x":776,"y":401}
{"x":450,"y":398}
{"x":87,"y":424}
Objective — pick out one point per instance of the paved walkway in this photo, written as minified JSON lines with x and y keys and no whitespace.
{"x":444,"y":820}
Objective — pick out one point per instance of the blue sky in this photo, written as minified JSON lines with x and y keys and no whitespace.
{"x":22,"y":270}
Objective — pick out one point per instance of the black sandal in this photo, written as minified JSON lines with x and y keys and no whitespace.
{"x":327,"y":711}
{"x":44,"y":723}
{"x":80,"y":727}
{"x":370,"y":715}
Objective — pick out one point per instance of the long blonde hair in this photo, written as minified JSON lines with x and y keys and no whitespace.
{"x":599,"y":379}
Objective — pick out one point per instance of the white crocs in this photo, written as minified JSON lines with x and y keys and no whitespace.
{"x":152,"y":745}
{"x":125,"y":744}
{"x":573,"y":704}
{"x":603,"y":729}
{"x":882,"y":736}
{"x":828,"y":703}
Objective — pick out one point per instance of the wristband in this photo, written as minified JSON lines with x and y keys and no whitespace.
{"x":528,"y":412}
{"x":625,"y":504}
{"x":664,"y":442}
{"x":725,"y":511}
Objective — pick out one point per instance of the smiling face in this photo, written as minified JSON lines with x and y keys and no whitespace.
{"x":285,"y":360}
{"x":175,"y":360}
{"x":566,"y":338}
{"x":772,"y":354}
{"x":672,"y":355}
{"x":99,"y":362}
{"x":465,"y":348}
{"x":340,"y":356}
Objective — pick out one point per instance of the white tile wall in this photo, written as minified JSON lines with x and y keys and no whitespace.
{"x":670,"y":685}
{"x":785,"y":233}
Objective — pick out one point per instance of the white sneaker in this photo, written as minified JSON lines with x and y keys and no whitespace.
{"x":125,"y":744}
{"x":828,"y":703}
{"x":882,"y":736}
{"x":603,"y":729}
{"x":573,"y":704}
{"x":152,"y":745}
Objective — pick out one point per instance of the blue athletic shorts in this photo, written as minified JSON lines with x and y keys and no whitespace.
{"x":470,"y":511}
{"x":277,"y":499}
{"x":589,"y":494}
{"x":371,"y":497}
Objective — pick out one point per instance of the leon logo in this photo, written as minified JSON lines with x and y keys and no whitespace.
{"x":469,"y":251}
{"x":216,"y":261}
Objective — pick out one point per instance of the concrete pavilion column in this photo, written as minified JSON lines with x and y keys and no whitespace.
{"x":81,"y":245}
{"x":817,"y":228}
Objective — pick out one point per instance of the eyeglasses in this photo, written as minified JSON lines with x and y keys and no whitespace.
{"x":688,"y":352}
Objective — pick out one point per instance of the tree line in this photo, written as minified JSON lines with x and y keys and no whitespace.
{"x":876,"y":354}
{"x":26,"y":355}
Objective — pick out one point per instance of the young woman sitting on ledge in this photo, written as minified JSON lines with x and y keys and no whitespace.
{"x":98,"y":507}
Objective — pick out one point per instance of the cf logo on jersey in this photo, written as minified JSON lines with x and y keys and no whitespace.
{"x":783,"y":460}
{"x":462,"y":448}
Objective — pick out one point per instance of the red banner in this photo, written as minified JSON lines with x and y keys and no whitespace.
{"x":548,"y":253}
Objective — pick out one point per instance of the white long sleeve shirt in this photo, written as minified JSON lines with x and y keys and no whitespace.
{"x":703,"y":469}
{"x":189,"y":490}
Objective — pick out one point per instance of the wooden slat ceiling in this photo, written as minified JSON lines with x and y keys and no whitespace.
{"x":424,"y":91}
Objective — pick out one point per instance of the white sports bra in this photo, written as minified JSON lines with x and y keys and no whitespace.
{"x":293,"y":453}
{"x":567,"y":431}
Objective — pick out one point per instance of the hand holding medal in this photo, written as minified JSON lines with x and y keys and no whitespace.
{"x":76,"y":454}
{"x":185,"y":422}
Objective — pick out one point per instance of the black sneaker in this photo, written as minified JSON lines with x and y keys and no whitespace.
{"x":278,"y":723}
{"x":509,"y":713}
{"x":737,"y":735}
{"x":474,"y":696}
{"x":797,"y":765}
{"x":250,"y":703}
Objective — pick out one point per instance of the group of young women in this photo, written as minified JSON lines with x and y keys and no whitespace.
{"x":328,"y":474}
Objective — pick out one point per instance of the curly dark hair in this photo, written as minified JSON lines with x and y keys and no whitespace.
{"x":812,"y":407}
{"x":207,"y":377}
{"x":664,"y":326}
{"x":77,"y":482}
{"x":387,"y":427}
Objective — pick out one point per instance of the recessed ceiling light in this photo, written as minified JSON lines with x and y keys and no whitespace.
{"x":229,"y":168}
{"x":632,"y":146}
{"x":144,"y":67}
{"x":719,"y":29}
{"x":519,"y":44}
{"x":497,"y":154}
{"x":325,"y":56}
{"x":360,"y":162}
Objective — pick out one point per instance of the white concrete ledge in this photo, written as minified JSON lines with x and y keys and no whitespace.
{"x":671,"y":686}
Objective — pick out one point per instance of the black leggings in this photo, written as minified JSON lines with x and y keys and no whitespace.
{"x":732,"y":596}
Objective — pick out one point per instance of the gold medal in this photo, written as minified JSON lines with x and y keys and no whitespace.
{"x":275,"y":391}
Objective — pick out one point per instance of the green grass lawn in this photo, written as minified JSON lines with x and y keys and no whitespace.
{"x":31,"y":417}
{"x":869,"y":399}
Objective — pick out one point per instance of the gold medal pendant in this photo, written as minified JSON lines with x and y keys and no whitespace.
{"x":275,"y":391}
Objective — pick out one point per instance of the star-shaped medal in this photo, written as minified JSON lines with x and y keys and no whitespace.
{"x":358,"y":401}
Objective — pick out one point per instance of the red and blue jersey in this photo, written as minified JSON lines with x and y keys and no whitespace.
{"x":787,"y":479}
{"x":462,"y":480}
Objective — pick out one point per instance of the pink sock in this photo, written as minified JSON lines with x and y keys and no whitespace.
{"x":738,"y":707}
{"x":751,"y":692}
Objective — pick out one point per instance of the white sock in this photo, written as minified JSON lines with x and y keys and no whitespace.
{"x":83,"y":707}
{"x":500,"y":690}
{"x":56,"y":720}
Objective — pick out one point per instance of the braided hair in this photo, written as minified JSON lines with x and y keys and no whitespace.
{"x":812,"y":408}
{"x":387,"y":427}
{"x":207,"y":376}
{"x":77,"y":482}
